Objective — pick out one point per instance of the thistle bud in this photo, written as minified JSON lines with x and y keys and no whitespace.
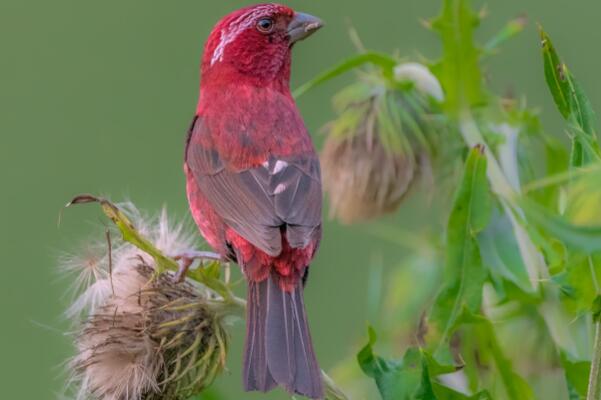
{"x":375,"y":149}
{"x":146,"y":336}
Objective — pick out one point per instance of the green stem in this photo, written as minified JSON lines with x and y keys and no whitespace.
{"x":594,"y":382}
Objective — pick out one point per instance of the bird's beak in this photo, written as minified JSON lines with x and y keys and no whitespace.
{"x":302,"y":26}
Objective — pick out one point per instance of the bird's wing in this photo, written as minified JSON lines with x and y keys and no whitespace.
{"x":257,"y":202}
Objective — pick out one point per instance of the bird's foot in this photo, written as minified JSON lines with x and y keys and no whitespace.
{"x":186,"y":259}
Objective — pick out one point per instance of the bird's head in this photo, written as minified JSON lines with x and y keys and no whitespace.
{"x":255,"y":43}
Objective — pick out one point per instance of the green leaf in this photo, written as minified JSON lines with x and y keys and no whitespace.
{"x":395,"y":380}
{"x":209,"y":275}
{"x":577,"y":374}
{"x":385,"y":62}
{"x":464,"y":271}
{"x":572,"y":103}
{"x":411,"y":378}
{"x":555,"y":75}
{"x":128,"y":231}
{"x":585,"y":149}
{"x":578,"y":283}
{"x":458,"y":71}
{"x":515,"y":386}
{"x":510,"y":30}
{"x":500,"y":253}
{"x":583,"y":238}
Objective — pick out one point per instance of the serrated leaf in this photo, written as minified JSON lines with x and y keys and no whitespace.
{"x":384,"y":61}
{"x":464,"y":271}
{"x":395,"y":380}
{"x":411,"y":378}
{"x":458,"y":71}
{"x":572,"y":103}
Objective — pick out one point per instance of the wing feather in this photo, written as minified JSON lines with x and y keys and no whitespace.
{"x":257,"y":202}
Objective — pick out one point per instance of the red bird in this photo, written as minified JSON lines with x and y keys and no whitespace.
{"x":254,"y":186}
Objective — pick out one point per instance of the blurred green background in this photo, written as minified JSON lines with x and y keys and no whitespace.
{"x":97,"y":96}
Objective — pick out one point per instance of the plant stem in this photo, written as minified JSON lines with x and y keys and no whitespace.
{"x":594,"y":382}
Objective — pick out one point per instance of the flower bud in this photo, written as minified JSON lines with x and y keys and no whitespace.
{"x":376,"y":147}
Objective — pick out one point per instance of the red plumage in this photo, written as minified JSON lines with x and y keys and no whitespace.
{"x":254,"y":186}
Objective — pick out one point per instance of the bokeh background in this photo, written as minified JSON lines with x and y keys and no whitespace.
{"x":96,"y":96}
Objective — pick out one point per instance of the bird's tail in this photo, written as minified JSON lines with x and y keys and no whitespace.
{"x":278,"y":348}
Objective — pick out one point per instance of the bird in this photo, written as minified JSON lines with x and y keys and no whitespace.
{"x":253,"y":184}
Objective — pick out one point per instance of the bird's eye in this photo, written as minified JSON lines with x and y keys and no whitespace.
{"x":265,"y":25}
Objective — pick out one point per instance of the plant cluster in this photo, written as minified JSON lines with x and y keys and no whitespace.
{"x":505,"y":305}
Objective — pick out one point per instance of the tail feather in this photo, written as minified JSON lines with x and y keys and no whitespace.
{"x":278,"y":344}
{"x":256,"y":372}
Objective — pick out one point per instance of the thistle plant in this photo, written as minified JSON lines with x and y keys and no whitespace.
{"x":519,"y":254}
{"x":503,"y":301}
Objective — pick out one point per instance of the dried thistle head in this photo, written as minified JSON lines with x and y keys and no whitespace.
{"x":145,"y":336}
{"x":363,"y":179}
{"x":379,"y":144}
{"x":152,"y":339}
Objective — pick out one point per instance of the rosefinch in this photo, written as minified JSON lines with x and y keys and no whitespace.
{"x":254,"y":186}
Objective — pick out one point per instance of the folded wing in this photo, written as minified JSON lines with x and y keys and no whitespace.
{"x":257,"y":202}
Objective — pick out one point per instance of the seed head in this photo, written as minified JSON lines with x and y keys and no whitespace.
{"x":143,"y":336}
{"x":377,"y":146}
